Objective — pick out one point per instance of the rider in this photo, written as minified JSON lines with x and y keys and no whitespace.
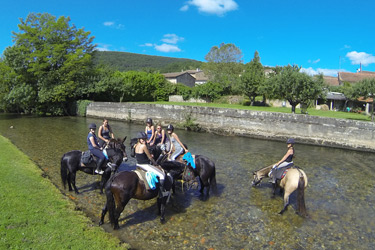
{"x":149,"y":130}
{"x":160,"y":138}
{"x":144,"y":158}
{"x":285,"y":161}
{"x":94,"y":148}
{"x":105,"y":133}
{"x":175,"y":143}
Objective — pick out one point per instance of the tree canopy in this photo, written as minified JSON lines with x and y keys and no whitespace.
{"x":50,"y":59}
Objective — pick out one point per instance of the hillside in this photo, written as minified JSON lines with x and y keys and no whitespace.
{"x":124,"y":61}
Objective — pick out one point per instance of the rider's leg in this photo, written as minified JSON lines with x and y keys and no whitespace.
{"x":176,"y":154}
{"x":101,"y":160}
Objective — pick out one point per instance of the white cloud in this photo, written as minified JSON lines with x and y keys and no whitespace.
{"x":172,"y":38}
{"x":103,"y":47}
{"x":184,"y":8}
{"x":147,"y":45}
{"x":167,"y":48}
{"x":109,"y":23}
{"x":315,"y":61}
{"x":216,"y":7}
{"x":360,"y":57}
{"x":326,"y":72}
{"x":114,"y":25}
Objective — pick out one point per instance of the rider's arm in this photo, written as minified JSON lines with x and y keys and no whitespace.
{"x":289,"y":152}
{"x":144,"y":147}
{"x":100,"y":133}
{"x":110,"y":131}
{"x":93,"y":143}
{"x":152,"y":134}
{"x":162,"y":136}
{"x":182,"y":145}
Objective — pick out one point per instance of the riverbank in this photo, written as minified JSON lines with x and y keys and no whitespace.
{"x":35,"y":215}
{"x":307,"y":129}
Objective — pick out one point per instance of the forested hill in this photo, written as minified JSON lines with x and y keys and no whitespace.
{"x":124,"y":61}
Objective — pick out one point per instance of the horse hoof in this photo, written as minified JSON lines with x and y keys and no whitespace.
{"x":117,"y":227}
{"x":162,"y":220}
{"x":100,"y":223}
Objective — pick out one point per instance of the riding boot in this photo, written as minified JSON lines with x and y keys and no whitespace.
{"x":99,"y":164}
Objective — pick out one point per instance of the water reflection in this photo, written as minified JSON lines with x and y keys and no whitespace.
{"x":339,"y":197}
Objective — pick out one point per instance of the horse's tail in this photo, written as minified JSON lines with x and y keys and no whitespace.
{"x":111,"y":204}
{"x":63,"y":171}
{"x":213,"y":182}
{"x":301,"y":196}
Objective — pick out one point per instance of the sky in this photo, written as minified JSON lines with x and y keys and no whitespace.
{"x":320,"y":36}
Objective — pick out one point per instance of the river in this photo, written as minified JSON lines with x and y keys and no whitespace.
{"x":339,"y":198}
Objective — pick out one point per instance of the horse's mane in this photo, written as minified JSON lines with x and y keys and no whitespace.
{"x":264,"y":169}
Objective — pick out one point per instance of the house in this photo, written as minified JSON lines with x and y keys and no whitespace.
{"x":354,"y":77}
{"x":197,"y":77}
{"x":181,"y":77}
{"x":331,"y":80}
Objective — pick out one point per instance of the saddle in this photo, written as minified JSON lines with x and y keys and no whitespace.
{"x":142,"y":175}
{"x":280,"y":173}
{"x":86,"y":158}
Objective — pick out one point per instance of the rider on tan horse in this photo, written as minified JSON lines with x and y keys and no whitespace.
{"x":286,"y":162}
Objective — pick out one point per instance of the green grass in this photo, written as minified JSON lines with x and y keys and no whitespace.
{"x":35,"y":215}
{"x":311,"y":111}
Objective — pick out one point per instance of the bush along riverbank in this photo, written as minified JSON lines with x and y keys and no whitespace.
{"x":35,"y":215}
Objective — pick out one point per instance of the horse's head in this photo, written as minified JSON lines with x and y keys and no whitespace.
{"x":256,"y":179}
{"x":119,"y":144}
{"x":115,"y":156}
{"x":189,"y":177}
{"x":260,"y":174}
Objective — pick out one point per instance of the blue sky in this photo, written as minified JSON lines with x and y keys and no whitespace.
{"x":321,"y":36}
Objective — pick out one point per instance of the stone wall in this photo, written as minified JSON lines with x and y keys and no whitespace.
{"x":276,"y":126}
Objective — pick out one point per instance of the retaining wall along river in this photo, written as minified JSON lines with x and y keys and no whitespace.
{"x":270,"y":125}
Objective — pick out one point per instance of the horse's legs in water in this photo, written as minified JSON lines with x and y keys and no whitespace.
{"x":286,"y":201}
{"x":104,"y":212}
{"x":204,"y":184}
{"x":274,"y":187}
{"x":120,"y":206}
{"x":69,"y":180}
{"x":162,"y":201}
{"x":73,"y":181}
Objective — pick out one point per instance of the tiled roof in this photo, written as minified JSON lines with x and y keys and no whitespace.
{"x":173,"y":74}
{"x":355,"y":77}
{"x":331,"y":80}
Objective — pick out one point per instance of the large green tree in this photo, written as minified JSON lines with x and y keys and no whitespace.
{"x":224,"y":66}
{"x":366,"y":89}
{"x":295,"y":87}
{"x":51,"y":60}
{"x":253,"y":78}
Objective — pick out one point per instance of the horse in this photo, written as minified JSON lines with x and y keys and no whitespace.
{"x":294,"y":179}
{"x":71,"y":163}
{"x":126,"y":185}
{"x":119,"y":144}
{"x":205,"y":170}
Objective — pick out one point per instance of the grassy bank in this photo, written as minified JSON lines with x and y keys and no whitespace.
{"x":35,"y":215}
{"x":311,"y":111}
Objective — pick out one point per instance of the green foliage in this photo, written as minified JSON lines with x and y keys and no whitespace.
{"x":124,"y":61}
{"x":366,"y":89}
{"x":347,"y":89}
{"x":82,"y":107}
{"x":294,"y":86}
{"x":190,"y":124}
{"x":253,"y":78}
{"x":49,"y":59}
{"x":210,"y":90}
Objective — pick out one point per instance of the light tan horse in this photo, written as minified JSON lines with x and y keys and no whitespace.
{"x":294,"y":179}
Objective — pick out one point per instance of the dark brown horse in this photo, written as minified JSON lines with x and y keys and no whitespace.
{"x":294,"y":179}
{"x":126,"y":185}
{"x":71,"y":163}
{"x":205,"y":170}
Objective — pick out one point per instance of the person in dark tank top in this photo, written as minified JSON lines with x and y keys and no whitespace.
{"x":285,"y":161}
{"x":105,"y":133}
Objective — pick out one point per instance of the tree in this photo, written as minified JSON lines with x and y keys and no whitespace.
{"x":294,"y":86}
{"x":253,"y":78}
{"x":366,"y":89}
{"x":51,"y":59}
{"x":224,"y":66}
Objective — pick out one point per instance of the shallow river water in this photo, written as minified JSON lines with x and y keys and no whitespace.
{"x":339,"y":198}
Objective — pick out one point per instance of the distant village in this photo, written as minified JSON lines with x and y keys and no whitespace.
{"x":334,"y":100}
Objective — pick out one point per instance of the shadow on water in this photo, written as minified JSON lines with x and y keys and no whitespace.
{"x":339,"y":197}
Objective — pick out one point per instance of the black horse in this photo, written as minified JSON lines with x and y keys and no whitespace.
{"x":71,"y":163}
{"x":126,"y":185}
{"x":205,"y":170}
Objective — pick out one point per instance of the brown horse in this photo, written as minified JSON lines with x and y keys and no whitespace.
{"x":294,"y":179}
{"x":126,"y":185}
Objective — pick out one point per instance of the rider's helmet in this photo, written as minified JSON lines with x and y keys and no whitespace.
{"x":141,"y":135}
{"x":92,"y":126}
{"x":149,"y":120}
{"x":170,"y":127}
{"x":290,"y":141}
